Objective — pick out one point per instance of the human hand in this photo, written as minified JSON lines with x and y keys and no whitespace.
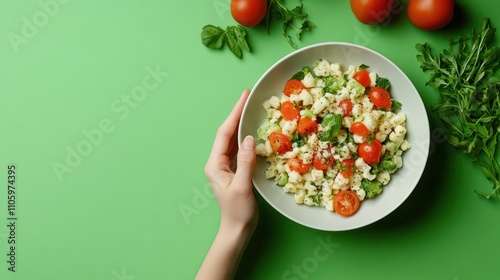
{"x":233,"y":189}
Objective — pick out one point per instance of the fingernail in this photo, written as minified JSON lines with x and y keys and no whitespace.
{"x":248,"y":143}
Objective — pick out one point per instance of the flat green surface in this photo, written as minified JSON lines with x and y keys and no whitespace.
{"x":108,"y":111}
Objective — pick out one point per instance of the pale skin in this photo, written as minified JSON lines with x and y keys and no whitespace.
{"x":234,"y":193}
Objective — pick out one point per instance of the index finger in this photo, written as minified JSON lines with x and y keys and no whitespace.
{"x":228,"y":128}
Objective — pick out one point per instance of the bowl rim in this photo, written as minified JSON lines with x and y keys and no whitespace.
{"x":420,"y":171}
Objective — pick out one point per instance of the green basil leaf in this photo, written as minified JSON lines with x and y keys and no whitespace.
{"x":332,"y":123}
{"x":212,"y":36}
{"x":232,"y":43}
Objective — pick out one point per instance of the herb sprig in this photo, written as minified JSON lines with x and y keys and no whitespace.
{"x":295,"y":19}
{"x":467,"y":78}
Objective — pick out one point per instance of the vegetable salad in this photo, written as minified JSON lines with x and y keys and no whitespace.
{"x":334,"y":137}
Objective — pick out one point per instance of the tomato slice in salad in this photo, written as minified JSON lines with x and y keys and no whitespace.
{"x":280,"y":142}
{"x":306,"y":126}
{"x":346,"y":106}
{"x":288,"y":110}
{"x":322,"y":162}
{"x":360,"y":129}
{"x":380,"y":98}
{"x":363,"y":78}
{"x":293,"y":86}
{"x":347,"y":167}
{"x":346,"y":203}
{"x":370,"y":152}
{"x":298,"y":165}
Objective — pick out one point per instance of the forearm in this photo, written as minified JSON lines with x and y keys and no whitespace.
{"x":225,"y":253}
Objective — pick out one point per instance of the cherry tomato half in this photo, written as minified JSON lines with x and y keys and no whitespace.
{"x":298,"y":165}
{"x":248,"y":12}
{"x":346,"y":203}
{"x":370,"y":152}
{"x":380,"y":98}
{"x":362,"y":77}
{"x":371,"y":11}
{"x":360,"y":129}
{"x":347,"y":168}
{"x":306,"y":126}
{"x":293,"y":86}
{"x":280,"y":142}
{"x":430,"y":14}
{"x":288,"y":110}
{"x":346,"y":106}
{"x":322,"y":162}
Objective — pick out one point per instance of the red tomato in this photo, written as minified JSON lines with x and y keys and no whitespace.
{"x":370,"y":153}
{"x":298,"y":165}
{"x":346,"y":203}
{"x":371,"y":11}
{"x":346,"y":106}
{"x":248,"y":12}
{"x":280,"y":142}
{"x":380,"y":98}
{"x":306,"y":126}
{"x":362,"y":77}
{"x":360,"y":129}
{"x":348,"y":165}
{"x":321,"y":162}
{"x":293,"y":87}
{"x":430,"y":14}
{"x":288,"y":110}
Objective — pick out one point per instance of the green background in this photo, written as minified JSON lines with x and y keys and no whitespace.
{"x":135,"y":203}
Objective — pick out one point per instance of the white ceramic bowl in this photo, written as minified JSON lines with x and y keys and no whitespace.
{"x":403,"y":181}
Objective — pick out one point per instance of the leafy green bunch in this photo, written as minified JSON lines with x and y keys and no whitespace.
{"x":467,"y":78}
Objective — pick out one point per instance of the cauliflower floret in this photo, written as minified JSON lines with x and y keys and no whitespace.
{"x":405,"y":145}
{"x":317,"y":174}
{"x":316,"y":92}
{"x":397,"y":119}
{"x":384,"y":177}
{"x":361,"y":194}
{"x":323,"y":69}
{"x":367,"y":104}
{"x":299,"y":196}
{"x":319,"y":105}
{"x":340,"y":180}
{"x":306,"y":97}
{"x":289,"y":127}
{"x":309,"y":80}
{"x":357,"y":110}
{"x":342,"y":135}
{"x":400,"y":131}
{"x":261,"y":150}
{"x":274,"y":102}
{"x":385,"y":128}
{"x":309,"y":201}
{"x":294,"y":177}
{"x":373,"y":78}
{"x":355,"y":181}
{"x":395,"y":138}
{"x":399,"y":161}
{"x":313,"y":141}
{"x":335,"y":69}
{"x":271,"y":171}
{"x":369,"y":122}
{"x":351,"y":71}
{"x":380,"y":136}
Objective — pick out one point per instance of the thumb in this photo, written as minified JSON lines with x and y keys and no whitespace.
{"x":245,"y":160}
